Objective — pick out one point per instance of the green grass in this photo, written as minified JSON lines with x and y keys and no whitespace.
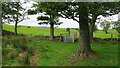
{"x":56,"y":53}
{"x":106,"y":52}
{"x":101,"y":34}
{"x":45,"y":31}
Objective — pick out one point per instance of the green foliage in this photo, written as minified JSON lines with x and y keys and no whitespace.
{"x":31,"y":12}
{"x":50,"y":10}
{"x":43,"y":18}
{"x":11,"y":11}
{"x":68,"y":30}
{"x":99,"y":8}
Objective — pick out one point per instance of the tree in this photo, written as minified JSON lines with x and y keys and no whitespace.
{"x":49,"y":20}
{"x":116,"y":25}
{"x":105,"y":25}
{"x":79,"y":13}
{"x":84,"y":50}
{"x":101,"y":8}
{"x":11,"y":11}
{"x":51,"y":17}
{"x":0,"y":19}
{"x":94,"y":9}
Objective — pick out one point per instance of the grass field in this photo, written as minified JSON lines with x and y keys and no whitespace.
{"x":45,"y":31}
{"x":56,"y":53}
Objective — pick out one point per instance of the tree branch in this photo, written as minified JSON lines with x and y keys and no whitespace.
{"x":69,"y":17}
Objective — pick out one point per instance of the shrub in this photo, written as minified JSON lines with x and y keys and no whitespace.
{"x":20,"y":42}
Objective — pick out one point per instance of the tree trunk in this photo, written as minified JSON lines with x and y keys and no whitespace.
{"x":1,"y":19}
{"x":106,"y":31}
{"x":1,"y":28}
{"x":16,"y":27}
{"x":84,"y":50}
{"x":51,"y":32}
{"x":92,"y":25}
{"x":17,"y":19}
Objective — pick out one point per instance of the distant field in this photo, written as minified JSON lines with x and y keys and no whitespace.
{"x":46,"y":31}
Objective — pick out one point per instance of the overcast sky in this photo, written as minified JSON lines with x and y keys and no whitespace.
{"x":32,"y":21}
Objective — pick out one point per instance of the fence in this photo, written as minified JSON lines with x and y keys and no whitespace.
{"x":69,"y":37}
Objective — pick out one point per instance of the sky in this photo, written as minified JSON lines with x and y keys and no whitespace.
{"x":67,"y":23}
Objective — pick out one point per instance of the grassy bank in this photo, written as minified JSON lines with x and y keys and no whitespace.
{"x":55,"y":53}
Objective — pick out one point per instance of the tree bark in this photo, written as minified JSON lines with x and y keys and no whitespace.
{"x":84,"y":49}
{"x":17,"y":19}
{"x":106,"y":31}
{"x":51,"y":32}
{"x":16,"y":27}
{"x":0,"y":28}
{"x":92,"y":25}
{"x":1,"y":19}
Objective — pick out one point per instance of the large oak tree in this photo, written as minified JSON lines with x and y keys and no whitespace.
{"x":79,"y":12}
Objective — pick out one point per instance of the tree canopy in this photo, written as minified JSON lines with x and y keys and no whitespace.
{"x":13,"y":12}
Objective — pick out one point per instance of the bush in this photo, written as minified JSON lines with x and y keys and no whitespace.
{"x":20,"y":42}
